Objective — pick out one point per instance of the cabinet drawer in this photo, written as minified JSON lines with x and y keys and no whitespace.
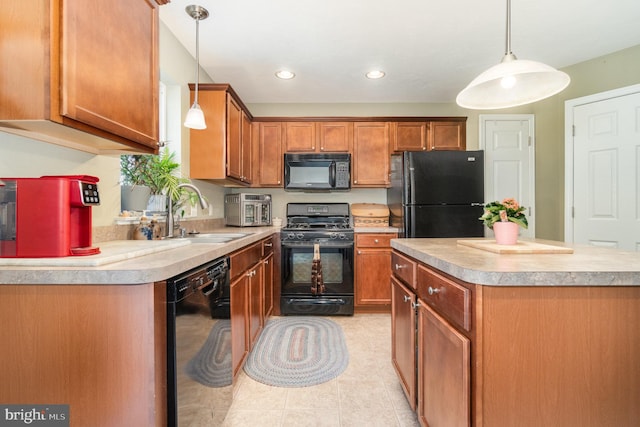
{"x":267,"y":247}
{"x":404,"y":269}
{"x":445,"y":296}
{"x":244,"y":259}
{"x":369,"y":240}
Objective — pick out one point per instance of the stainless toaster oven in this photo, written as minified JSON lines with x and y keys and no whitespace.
{"x":247,"y":210}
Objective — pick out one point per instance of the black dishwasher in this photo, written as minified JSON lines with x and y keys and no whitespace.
{"x":198,"y":347}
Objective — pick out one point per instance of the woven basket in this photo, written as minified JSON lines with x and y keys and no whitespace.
{"x":370,"y":215}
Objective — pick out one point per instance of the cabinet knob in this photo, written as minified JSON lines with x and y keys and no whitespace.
{"x":407,"y":298}
{"x":268,"y":245}
{"x":355,"y":181}
{"x":433,"y":291}
{"x":415,"y":304}
{"x":359,"y":252}
{"x":376,"y":241}
{"x":399,"y":267}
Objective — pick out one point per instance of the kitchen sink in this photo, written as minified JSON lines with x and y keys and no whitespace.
{"x":215,"y":237}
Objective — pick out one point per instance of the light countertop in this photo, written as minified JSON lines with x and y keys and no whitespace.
{"x":586,"y":266}
{"x":126,"y":262}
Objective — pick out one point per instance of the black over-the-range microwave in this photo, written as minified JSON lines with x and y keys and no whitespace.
{"x":317,"y":171}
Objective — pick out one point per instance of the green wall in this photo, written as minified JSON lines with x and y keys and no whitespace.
{"x":601,"y":74}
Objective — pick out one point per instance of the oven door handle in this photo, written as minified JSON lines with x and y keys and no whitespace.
{"x":322,"y":245}
{"x":316,"y":301}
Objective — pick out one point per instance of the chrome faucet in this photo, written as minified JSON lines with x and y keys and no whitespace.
{"x":170,"y":221}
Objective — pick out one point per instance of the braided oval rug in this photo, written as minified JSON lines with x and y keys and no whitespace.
{"x":298,"y":352}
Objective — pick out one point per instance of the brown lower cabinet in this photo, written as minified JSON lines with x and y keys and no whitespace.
{"x":444,"y":367}
{"x":101,"y":349}
{"x":403,"y":338}
{"x":251,"y":270}
{"x":514,"y":355}
{"x":372,"y":272}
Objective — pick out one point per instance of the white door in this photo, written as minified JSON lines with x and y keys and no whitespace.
{"x":606,"y":172}
{"x":509,"y":146}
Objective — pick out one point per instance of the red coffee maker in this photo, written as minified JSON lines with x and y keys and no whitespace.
{"x":48,"y":216}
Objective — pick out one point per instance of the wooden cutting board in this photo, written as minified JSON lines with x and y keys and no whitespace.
{"x":521,"y":247}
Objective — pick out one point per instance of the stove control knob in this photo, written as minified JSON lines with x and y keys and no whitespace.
{"x":300,"y":236}
{"x":290,"y":236}
{"x":333,"y":235}
{"x":343,"y":236}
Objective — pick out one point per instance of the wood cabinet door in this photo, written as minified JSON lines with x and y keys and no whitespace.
{"x":247,"y":149}
{"x":370,"y":165}
{"x":239,"y":294}
{"x":255,"y":303}
{"x":409,"y":136}
{"x":335,"y":136}
{"x":403,"y":338}
{"x":299,"y":137}
{"x":208,"y":147}
{"x":268,"y":286}
{"x":270,"y":154}
{"x":444,"y":372}
{"x":234,"y":139}
{"x":448,"y":135}
{"x":110,"y":68}
{"x":373,"y":271}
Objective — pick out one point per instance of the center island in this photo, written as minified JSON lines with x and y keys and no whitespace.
{"x":531,"y":338}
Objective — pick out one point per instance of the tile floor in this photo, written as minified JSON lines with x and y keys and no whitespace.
{"x":367,"y":393}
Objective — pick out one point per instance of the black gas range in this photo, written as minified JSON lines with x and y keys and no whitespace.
{"x":308,"y":222}
{"x":323,"y":227}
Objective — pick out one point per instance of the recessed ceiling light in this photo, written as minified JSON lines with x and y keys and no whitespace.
{"x":285,"y":74}
{"x":375,"y":74}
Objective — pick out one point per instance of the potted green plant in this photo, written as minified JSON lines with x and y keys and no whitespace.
{"x":158,"y":173}
{"x":134,"y":193}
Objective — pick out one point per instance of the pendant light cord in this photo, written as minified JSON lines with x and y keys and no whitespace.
{"x":197,"y":57}
{"x":507,"y":50}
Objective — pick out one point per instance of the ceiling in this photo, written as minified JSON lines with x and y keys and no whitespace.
{"x":429,"y":49}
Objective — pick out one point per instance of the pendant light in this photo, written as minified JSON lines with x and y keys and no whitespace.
{"x":195,"y":116}
{"x":512,"y":82}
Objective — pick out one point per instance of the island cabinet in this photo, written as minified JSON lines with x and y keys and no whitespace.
{"x":372,"y":272}
{"x":530,"y":355}
{"x":68,"y":80}
{"x":433,"y":134}
{"x":403,"y":337}
{"x":370,"y":163}
{"x":317,"y":137}
{"x":249,"y":267}
{"x":223,"y":151}
{"x":101,"y":349}
{"x":270,"y":137}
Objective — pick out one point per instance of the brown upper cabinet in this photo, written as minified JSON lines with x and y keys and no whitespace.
{"x":370,"y":160}
{"x":223,"y":151}
{"x":317,"y":137}
{"x":442,"y":134}
{"x":448,"y":135}
{"x":68,"y":81}
{"x":270,"y":167}
{"x":300,"y":137}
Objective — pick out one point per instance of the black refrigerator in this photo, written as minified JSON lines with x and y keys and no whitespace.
{"x":437,"y":193}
